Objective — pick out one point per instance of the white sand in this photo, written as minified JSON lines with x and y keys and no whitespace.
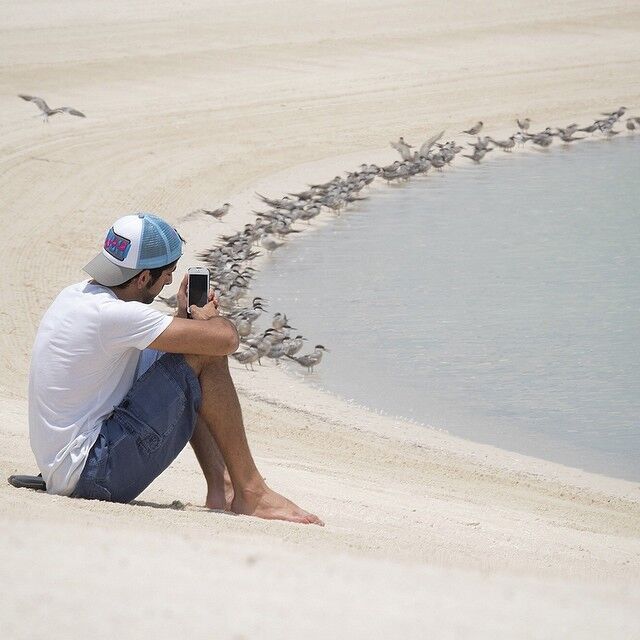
{"x":190,"y":104}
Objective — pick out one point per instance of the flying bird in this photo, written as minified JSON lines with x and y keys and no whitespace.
{"x":47,"y":111}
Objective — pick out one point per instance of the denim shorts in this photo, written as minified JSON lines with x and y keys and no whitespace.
{"x":145,"y":432}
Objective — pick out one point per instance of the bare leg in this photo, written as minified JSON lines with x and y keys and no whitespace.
{"x":221,"y":413}
{"x":219,"y":487}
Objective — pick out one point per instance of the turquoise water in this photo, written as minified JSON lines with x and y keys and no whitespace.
{"x":500,"y":302}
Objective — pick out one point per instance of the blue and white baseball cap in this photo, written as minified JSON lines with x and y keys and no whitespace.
{"x":135,"y":243}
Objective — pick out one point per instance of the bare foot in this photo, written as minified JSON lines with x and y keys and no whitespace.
{"x":215,"y":499}
{"x":218,"y":497}
{"x":270,"y":505}
{"x":228,"y":491}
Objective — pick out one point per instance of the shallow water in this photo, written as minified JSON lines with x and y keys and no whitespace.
{"x":500,"y":302}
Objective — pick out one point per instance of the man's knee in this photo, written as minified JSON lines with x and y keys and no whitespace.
{"x":201,"y":363}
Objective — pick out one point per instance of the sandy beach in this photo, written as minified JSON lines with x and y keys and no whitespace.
{"x":196,"y":103}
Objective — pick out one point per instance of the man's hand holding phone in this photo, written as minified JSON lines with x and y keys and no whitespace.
{"x":186,"y":310}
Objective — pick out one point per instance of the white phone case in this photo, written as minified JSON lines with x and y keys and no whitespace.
{"x":197,"y":271}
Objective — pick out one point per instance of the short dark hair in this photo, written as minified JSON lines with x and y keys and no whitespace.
{"x":155,"y":274}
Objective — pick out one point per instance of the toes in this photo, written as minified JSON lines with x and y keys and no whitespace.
{"x":313,"y":519}
{"x":297,"y":519}
{"x":307,"y":518}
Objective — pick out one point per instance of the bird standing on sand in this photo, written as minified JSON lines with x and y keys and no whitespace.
{"x":269,"y":243}
{"x":295,"y":344}
{"x":243,"y":326}
{"x":247,"y":357}
{"x":523,"y":125}
{"x":543,"y":139}
{"x":312,"y":359}
{"x":279,"y":321}
{"x":284,"y":203}
{"x":505,"y":145}
{"x":47,"y":111}
{"x":478,"y":154}
{"x":569,"y":129}
{"x":567,"y":135}
{"x":262,"y":343}
{"x":616,"y":114}
{"x":591,"y":128}
{"x":214,"y":213}
{"x":251,"y":313}
{"x":482,"y":143}
{"x":279,"y":350}
{"x":520,"y":137}
{"x":606,"y":127}
{"x":437,"y":161}
{"x":475,"y":130}
{"x":309,"y":213}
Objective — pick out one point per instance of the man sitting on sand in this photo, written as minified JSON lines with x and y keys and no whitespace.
{"x":117,"y":388}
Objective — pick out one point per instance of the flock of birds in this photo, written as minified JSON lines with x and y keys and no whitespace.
{"x":231,"y":274}
{"x":420,"y":161}
{"x":228,"y":261}
{"x":279,"y":218}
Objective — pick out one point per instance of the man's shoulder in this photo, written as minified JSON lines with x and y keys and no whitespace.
{"x":129,"y":312}
{"x":80,"y":295}
{"x":95,"y":299}
{"x":84,"y":287}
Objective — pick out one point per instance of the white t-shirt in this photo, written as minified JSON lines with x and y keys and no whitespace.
{"x":83,"y":364}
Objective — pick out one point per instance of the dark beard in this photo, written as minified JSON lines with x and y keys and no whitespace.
{"x":148,"y":296}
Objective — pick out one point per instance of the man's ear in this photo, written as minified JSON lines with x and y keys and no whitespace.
{"x":143,"y":278}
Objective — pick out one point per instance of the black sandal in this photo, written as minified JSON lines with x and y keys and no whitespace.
{"x":28,"y":482}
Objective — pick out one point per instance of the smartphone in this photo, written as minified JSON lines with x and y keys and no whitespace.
{"x":197,"y":286}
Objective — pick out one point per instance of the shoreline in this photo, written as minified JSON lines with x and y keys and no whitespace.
{"x":298,"y":177}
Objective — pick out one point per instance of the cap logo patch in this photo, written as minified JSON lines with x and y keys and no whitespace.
{"x":116,"y":245}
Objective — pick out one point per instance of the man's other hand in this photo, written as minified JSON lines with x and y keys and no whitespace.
{"x":181,"y":311}
{"x":210,"y":310}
